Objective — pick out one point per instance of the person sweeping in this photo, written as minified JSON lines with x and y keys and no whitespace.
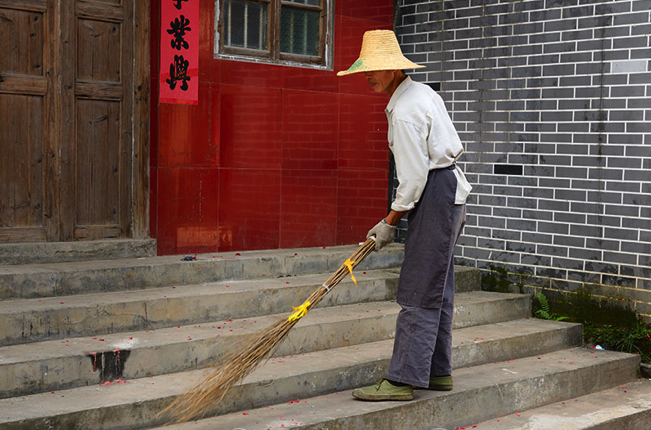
{"x":433,"y":191}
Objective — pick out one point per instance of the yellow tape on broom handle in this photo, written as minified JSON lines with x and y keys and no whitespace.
{"x":349,"y":264}
{"x":301,"y":311}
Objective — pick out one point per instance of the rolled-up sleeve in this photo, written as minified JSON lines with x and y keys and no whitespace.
{"x":409,"y":146}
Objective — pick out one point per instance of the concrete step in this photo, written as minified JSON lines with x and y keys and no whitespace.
{"x":480,"y":393}
{"x":626,"y":407}
{"x":29,"y":320}
{"x":134,"y":404}
{"x":52,"y":365}
{"x":83,"y":277}
{"x":56,"y":252}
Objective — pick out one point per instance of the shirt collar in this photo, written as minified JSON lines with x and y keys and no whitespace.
{"x":397,"y":93}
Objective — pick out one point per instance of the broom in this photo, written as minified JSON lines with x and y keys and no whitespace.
{"x":238,"y":364}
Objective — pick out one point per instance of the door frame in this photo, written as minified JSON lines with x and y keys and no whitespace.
{"x":141,"y":120}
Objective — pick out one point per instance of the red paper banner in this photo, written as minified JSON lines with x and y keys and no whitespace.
{"x":179,"y":52}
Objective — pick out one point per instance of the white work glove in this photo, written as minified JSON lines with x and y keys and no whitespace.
{"x":384,"y":234}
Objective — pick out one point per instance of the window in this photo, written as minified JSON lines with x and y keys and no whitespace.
{"x":297,"y":32}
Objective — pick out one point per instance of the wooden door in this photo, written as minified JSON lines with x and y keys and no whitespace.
{"x":98,"y":98}
{"x":72,"y":124}
{"x":27,"y":151}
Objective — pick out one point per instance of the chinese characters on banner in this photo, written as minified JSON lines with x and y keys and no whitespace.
{"x":179,"y":52}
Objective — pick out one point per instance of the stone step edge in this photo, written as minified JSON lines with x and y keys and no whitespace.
{"x":192,"y":345}
{"x":625,"y":407}
{"x":62,"y":279}
{"x":29,"y":320}
{"x":58,"y":252}
{"x":480,"y":393}
{"x":74,"y":401}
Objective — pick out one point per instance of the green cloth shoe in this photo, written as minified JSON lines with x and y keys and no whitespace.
{"x":440,"y":383}
{"x":384,"y":391}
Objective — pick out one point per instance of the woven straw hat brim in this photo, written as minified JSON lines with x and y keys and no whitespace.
{"x":373,"y":64}
{"x":380,"y":51}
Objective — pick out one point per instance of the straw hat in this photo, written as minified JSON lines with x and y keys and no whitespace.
{"x":380,"y":51}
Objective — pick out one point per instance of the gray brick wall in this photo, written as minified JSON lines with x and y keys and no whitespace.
{"x":552,"y":99}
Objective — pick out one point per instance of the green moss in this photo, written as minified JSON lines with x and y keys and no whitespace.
{"x":501,"y":280}
{"x":605,"y":322}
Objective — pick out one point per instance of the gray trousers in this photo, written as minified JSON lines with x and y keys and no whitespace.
{"x":423,"y":340}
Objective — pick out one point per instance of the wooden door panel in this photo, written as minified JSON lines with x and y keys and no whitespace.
{"x":99,"y":44}
{"x":21,"y":166}
{"x":21,"y":42}
{"x":98,"y":163}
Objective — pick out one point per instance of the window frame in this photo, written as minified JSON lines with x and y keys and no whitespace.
{"x":273,"y":55}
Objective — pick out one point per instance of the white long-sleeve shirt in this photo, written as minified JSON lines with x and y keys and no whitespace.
{"x":421,"y":137}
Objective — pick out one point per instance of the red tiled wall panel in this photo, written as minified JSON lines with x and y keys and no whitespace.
{"x":272,"y":156}
{"x":250,"y":127}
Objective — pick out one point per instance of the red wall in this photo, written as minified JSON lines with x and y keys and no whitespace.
{"x":271,"y":157}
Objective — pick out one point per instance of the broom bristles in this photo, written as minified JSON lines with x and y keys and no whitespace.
{"x":238,"y":364}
